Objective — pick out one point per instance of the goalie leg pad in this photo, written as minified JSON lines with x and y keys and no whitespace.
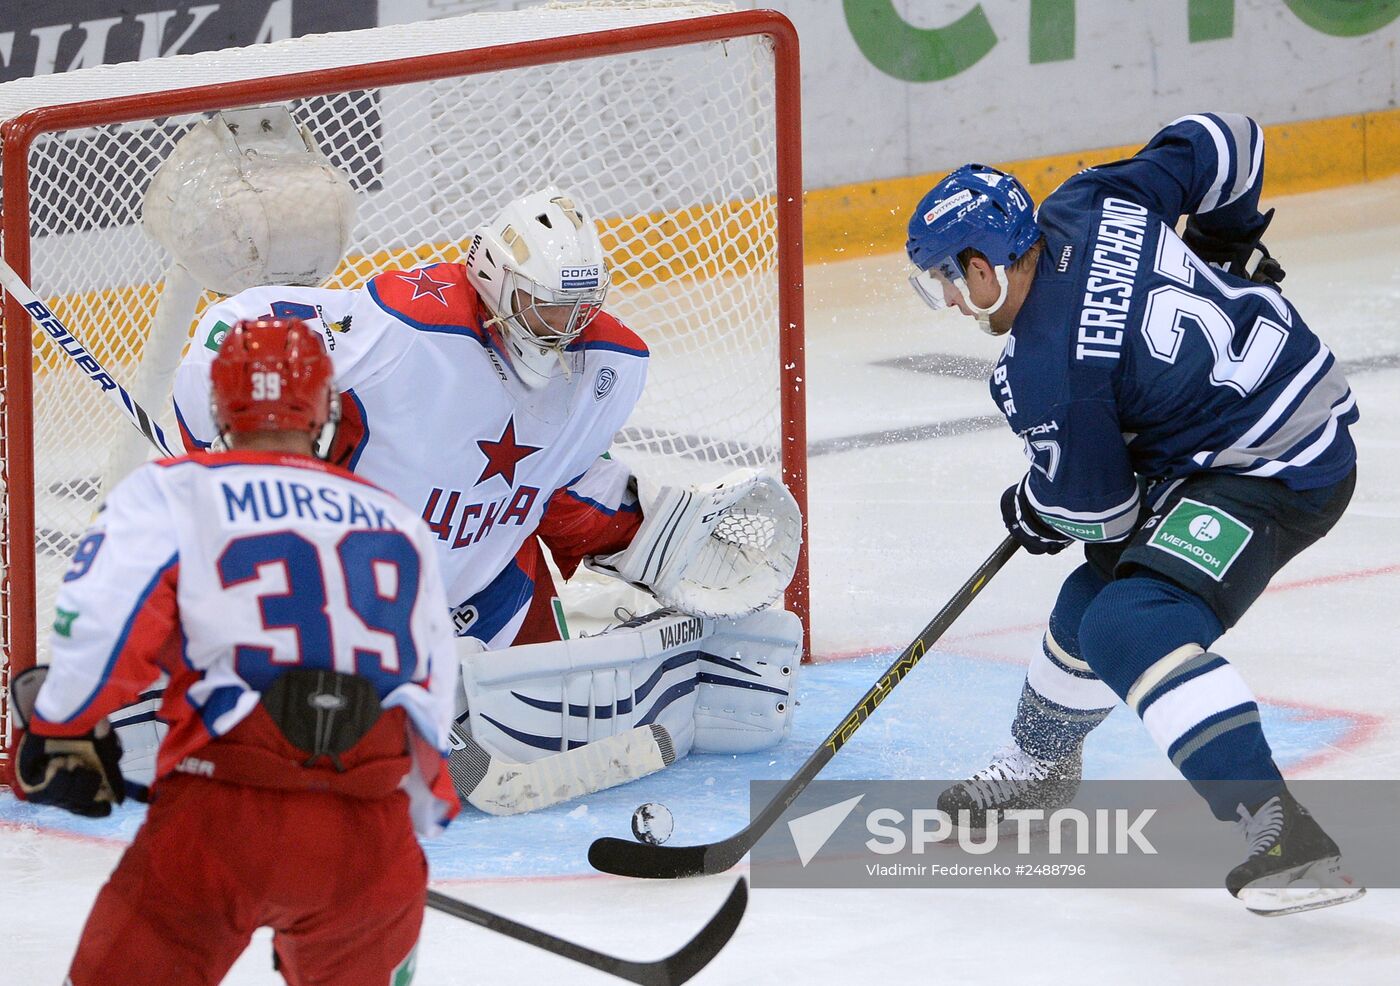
{"x":528,"y":702}
{"x":747,"y":674}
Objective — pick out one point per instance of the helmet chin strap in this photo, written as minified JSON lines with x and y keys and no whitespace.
{"x":984,"y":315}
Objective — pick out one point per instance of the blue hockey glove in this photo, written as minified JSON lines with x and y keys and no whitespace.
{"x":1025,"y":525}
{"x":81,"y":774}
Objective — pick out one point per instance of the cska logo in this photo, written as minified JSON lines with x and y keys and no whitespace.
{"x":503,"y":455}
{"x":476,"y":520}
{"x":425,"y":286}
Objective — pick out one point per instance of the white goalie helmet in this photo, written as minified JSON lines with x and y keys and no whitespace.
{"x":540,"y":270}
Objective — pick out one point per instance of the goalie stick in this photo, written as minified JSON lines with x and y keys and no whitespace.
{"x":499,"y":787}
{"x":55,"y":331}
{"x":638,"y":859}
{"x":678,"y":967}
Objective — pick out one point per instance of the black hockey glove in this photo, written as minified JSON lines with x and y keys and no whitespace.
{"x":81,"y":774}
{"x":1234,"y":253}
{"x":1025,"y":525}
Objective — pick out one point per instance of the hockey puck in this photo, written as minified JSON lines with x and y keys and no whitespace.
{"x":652,"y":823}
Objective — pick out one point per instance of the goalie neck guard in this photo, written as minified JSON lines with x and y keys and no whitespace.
{"x":539,"y":268}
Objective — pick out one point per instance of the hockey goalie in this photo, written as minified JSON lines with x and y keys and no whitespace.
{"x":485,"y":395}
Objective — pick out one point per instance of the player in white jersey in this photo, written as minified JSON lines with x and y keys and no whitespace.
{"x":485,"y":396}
{"x":490,"y":426}
{"x":298,"y":613}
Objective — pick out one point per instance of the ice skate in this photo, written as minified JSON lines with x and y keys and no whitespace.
{"x":1292,"y":866}
{"x":1014,"y":779}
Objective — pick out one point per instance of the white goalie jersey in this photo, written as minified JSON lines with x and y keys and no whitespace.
{"x":430,"y":412}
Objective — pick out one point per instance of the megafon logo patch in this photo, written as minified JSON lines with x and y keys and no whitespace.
{"x":215,"y":339}
{"x":947,"y":205}
{"x":812,"y":831}
{"x":580,"y":277}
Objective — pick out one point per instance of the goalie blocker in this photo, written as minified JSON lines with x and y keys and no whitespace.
{"x":711,"y":685}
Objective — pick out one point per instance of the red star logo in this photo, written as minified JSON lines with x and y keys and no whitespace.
{"x":423,"y":284}
{"x":503,"y":455}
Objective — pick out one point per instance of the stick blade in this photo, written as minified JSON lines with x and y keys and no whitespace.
{"x":682,"y":966}
{"x":623,"y":857}
{"x":642,"y":860}
{"x":679,"y":967}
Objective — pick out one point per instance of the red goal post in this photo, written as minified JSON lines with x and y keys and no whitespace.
{"x":677,"y":125}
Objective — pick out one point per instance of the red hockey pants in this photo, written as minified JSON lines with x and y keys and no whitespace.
{"x":341,"y":880}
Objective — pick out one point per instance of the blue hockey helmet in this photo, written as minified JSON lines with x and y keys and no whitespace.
{"x":975,"y":207}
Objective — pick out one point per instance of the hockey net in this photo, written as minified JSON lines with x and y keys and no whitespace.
{"x":675,"y":124}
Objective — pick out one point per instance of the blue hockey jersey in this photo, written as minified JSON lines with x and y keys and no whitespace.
{"x":1132,"y":358}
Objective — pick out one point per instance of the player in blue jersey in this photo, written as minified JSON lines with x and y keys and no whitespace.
{"x":1184,"y":424}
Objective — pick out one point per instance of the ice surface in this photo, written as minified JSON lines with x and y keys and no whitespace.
{"x":897,"y":522}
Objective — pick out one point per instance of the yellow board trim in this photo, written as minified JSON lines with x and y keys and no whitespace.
{"x":848,"y":221}
{"x":868,"y":218}
{"x":734,"y":238}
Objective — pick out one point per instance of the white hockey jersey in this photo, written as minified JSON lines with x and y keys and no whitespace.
{"x":432,"y":413}
{"x":223,"y":570}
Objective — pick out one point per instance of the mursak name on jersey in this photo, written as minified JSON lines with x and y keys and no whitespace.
{"x":1108,"y":289}
{"x":259,"y":501}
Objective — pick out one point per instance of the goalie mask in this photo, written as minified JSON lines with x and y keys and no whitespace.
{"x":539,"y":269}
{"x":978,"y":208}
{"x":272,"y":374}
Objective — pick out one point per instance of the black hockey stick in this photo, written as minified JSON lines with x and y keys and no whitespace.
{"x":58,"y":334}
{"x":678,"y":967}
{"x":626,"y":858}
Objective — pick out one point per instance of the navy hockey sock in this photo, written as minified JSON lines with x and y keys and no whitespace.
{"x":1062,"y":699}
{"x":1146,"y":638}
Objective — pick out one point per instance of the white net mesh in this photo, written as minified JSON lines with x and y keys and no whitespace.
{"x":673,"y":150}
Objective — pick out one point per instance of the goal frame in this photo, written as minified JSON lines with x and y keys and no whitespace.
{"x":17,"y":541}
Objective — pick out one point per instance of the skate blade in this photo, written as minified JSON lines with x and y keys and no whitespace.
{"x":1304,"y":888}
{"x":1276,"y":903}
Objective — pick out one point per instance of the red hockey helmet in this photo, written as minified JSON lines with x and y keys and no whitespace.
{"x":271,"y":374}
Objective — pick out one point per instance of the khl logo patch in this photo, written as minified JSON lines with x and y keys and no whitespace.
{"x":1203,"y":536}
{"x":603,"y":382}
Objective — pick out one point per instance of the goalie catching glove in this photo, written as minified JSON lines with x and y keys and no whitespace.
{"x":77,"y":773}
{"x":719,"y":552}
